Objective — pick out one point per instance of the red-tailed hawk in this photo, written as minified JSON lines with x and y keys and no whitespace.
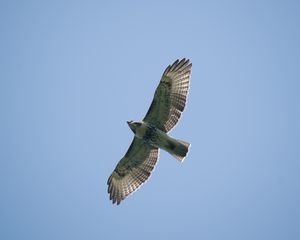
{"x":151,"y":133}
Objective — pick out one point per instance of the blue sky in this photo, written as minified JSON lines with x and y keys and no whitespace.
{"x":72,"y":74}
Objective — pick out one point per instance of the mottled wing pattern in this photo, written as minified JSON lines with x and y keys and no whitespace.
{"x":170,"y":96}
{"x":132,"y":170}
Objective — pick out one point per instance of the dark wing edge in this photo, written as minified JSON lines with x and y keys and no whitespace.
{"x":132,"y":171}
{"x":170,"y":96}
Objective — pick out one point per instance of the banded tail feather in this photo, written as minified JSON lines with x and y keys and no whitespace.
{"x":178,"y":148}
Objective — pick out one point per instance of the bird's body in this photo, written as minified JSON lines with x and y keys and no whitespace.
{"x":151,"y":133}
{"x":156,"y":138}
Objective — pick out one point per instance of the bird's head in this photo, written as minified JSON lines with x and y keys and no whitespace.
{"x":134,"y":125}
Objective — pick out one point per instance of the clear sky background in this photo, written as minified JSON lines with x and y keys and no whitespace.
{"x":73,"y":72}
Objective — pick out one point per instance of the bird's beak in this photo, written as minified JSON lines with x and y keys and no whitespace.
{"x":130,"y":125}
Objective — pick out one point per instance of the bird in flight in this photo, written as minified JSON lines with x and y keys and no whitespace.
{"x":151,"y":134}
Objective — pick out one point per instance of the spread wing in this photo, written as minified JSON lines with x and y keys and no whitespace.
{"x":170,"y":96}
{"x":132,"y":170}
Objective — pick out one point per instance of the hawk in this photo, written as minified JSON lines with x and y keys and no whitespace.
{"x":151,"y":134}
